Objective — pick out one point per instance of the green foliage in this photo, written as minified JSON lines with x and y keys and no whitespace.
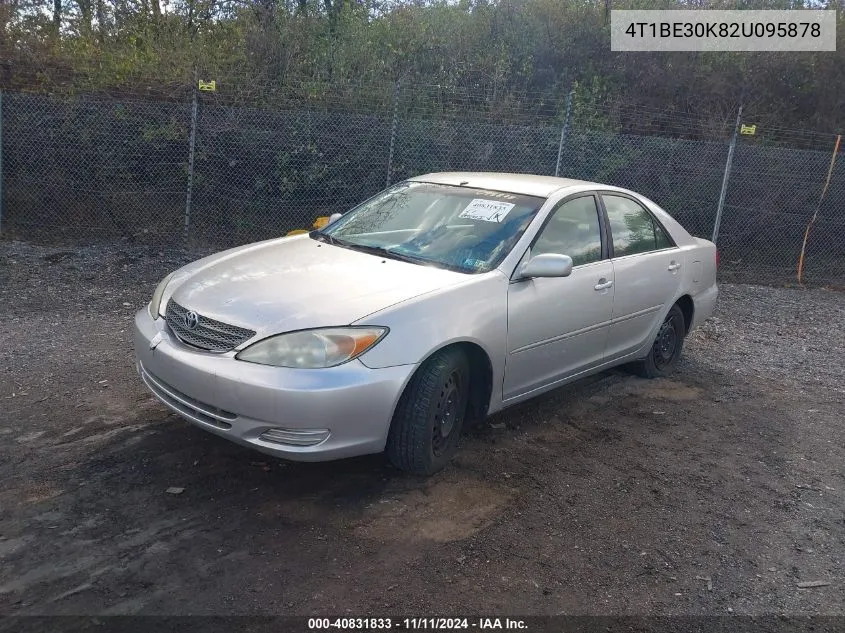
{"x":589,"y":106}
{"x":508,"y":51}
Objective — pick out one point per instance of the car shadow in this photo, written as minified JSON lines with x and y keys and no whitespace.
{"x":176,"y":454}
{"x":167,"y":503}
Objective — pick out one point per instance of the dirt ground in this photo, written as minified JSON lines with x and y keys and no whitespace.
{"x":716,"y":492}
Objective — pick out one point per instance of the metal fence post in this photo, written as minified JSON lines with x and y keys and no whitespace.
{"x":726,"y":177}
{"x":191,"y":144}
{"x":564,"y":130}
{"x":393,"y":134}
{"x":1,"y":162}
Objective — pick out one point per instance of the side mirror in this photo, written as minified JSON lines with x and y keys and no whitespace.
{"x":334,"y":217}
{"x":547,"y":265}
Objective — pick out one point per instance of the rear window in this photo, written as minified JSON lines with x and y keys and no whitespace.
{"x":632,"y":227}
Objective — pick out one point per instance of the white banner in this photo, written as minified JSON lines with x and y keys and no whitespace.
{"x":710,"y":30}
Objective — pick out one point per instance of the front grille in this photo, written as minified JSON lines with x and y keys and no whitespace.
{"x":210,"y":335}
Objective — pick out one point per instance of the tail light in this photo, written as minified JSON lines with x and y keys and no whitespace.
{"x":717,"y":259}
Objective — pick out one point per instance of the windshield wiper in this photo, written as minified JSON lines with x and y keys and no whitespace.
{"x":386,"y":252}
{"x":326,"y":238}
{"x":379,"y":250}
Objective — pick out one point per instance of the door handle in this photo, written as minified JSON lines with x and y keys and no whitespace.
{"x":673,"y":267}
{"x":603,"y":284}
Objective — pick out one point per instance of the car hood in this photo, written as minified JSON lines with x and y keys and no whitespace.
{"x":297,"y":283}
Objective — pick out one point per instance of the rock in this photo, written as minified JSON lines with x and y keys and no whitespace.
{"x":809,"y":584}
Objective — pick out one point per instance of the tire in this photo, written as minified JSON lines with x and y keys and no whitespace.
{"x":666,"y":348}
{"x":428,"y":420}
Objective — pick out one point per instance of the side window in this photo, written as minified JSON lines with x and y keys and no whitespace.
{"x":632,"y":227}
{"x":661,"y":238}
{"x":572,"y":230}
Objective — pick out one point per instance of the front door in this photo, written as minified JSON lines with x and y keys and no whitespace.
{"x":558,"y":327}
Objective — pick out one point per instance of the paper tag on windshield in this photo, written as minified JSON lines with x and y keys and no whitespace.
{"x":487,"y":210}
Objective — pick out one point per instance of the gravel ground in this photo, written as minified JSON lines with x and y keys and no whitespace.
{"x":716,"y":492}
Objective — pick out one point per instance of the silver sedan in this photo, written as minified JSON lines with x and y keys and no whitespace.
{"x":442,"y":299}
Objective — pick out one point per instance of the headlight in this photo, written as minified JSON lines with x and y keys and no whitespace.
{"x":313,"y":349}
{"x":155,"y":304}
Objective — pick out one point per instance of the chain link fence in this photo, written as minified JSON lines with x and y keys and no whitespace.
{"x":206,"y":173}
{"x":772,"y":195}
{"x":83,"y":169}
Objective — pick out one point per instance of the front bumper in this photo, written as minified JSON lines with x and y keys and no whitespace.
{"x":297,"y":414}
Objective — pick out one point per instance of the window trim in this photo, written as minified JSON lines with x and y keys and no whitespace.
{"x":654,"y":219}
{"x":603,"y":229}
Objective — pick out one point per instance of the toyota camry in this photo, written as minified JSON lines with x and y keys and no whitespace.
{"x":441,"y":300}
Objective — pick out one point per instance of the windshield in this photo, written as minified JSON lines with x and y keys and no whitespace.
{"x":460,"y":228}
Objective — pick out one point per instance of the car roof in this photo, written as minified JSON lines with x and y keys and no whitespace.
{"x":545,"y":186}
{"x":525,"y":184}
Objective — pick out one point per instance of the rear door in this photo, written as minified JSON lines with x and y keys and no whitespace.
{"x":558,"y":326}
{"x":647,"y":272}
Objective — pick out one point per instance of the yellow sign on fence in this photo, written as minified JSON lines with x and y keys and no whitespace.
{"x":209,"y":86}
{"x":748,"y":129}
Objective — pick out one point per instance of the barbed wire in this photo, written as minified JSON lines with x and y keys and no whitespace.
{"x":238,"y":86}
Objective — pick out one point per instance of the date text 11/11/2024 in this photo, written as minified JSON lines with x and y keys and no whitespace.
{"x":416,"y":624}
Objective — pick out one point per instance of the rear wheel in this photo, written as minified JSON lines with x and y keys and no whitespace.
{"x":428,"y":420}
{"x":666,"y":349}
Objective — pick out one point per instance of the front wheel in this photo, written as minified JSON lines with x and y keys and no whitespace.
{"x":428,"y":420}
{"x":666,"y":349}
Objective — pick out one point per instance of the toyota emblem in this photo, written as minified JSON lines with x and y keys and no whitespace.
{"x":192,"y":320}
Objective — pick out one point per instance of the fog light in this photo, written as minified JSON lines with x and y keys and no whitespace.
{"x":299,"y":437}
